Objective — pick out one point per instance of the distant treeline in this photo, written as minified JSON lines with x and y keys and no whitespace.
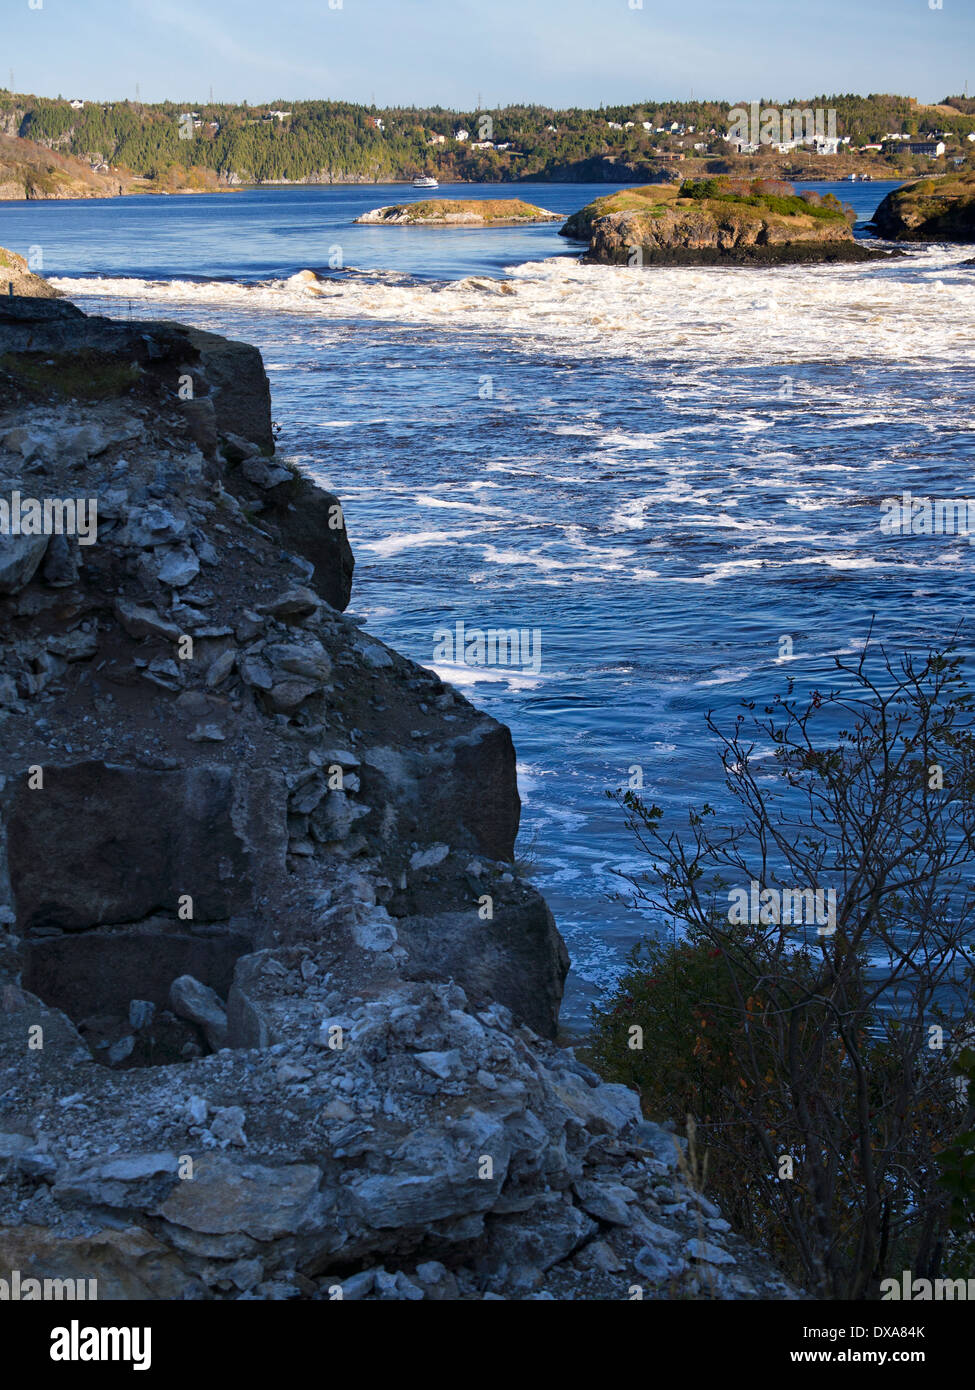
{"x":332,"y":139}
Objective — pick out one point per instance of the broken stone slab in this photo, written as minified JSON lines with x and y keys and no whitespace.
{"x":295,"y":603}
{"x":199,"y":1004}
{"x":264,"y":475}
{"x":441,"y":1064}
{"x":287,"y":696}
{"x":602,"y":1204}
{"x":229,"y":1196}
{"x":74,"y":646}
{"x":178,"y":567}
{"x":20,"y":559}
{"x":220,"y":669}
{"x":144,"y":622}
{"x":236,"y":448}
{"x":126,"y":1181}
{"x":605,"y":1109}
{"x":653,"y":1264}
{"x":147,"y":527}
{"x":308,"y":660}
{"x":708,"y":1253}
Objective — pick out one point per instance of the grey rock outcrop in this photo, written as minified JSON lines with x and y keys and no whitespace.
{"x":257,"y":898}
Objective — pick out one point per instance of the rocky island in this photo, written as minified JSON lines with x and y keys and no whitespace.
{"x":938,"y":209}
{"x":459,"y":212}
{"x":277,"y":1013}
{"x":715,"y":221}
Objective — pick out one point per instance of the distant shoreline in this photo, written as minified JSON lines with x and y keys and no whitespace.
{"x":391,"y":183}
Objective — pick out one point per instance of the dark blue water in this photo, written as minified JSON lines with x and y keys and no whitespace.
{"x":260,"y":233}
{"x":663,"y":472}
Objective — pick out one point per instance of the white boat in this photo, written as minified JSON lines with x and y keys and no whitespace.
{"x":424,"y":182}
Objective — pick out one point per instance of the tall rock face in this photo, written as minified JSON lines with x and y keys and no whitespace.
{"x":257,"y":904}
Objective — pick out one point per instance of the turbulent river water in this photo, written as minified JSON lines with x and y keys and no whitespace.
{"x":657,"y":474}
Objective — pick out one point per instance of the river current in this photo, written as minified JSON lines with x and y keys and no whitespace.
{"x":657,"y":474}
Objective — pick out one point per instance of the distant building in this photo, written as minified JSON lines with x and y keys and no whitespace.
{"x":77,"y":104}
{"x":934,"y":149}
{"x":614,"y":125}
{"x":437,"y":139}
{"x":462,"y":135}
{"x":741,"y":146}
{"x":482,"y":144}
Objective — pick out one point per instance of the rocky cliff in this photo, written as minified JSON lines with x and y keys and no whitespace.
{"x":715,"y":221}
{"x":941,"y":209}
{"x":29,"y":170}
{"x":276,"y":1012}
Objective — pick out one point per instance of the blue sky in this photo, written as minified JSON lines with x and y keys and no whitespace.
{"x":453,"y":52}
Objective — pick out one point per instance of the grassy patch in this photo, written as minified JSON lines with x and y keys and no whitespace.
{"x":87,"y":375}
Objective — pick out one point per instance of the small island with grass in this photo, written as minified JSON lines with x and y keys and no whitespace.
{"x":459,"y":212}
{"x":936,"y":209}
{"x":714,"y":221}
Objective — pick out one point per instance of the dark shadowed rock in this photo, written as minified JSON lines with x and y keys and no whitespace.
{"x":102,"y":843}
{"x":238,"y":385}
{"x":517,"y":957}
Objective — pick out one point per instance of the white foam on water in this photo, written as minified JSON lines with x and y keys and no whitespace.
{"x":890,"y":312}
{"x":414,"y":540}
{"x":469,"y":676}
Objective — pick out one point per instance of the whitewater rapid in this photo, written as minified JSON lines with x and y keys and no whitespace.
{"x":919,"y":307}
